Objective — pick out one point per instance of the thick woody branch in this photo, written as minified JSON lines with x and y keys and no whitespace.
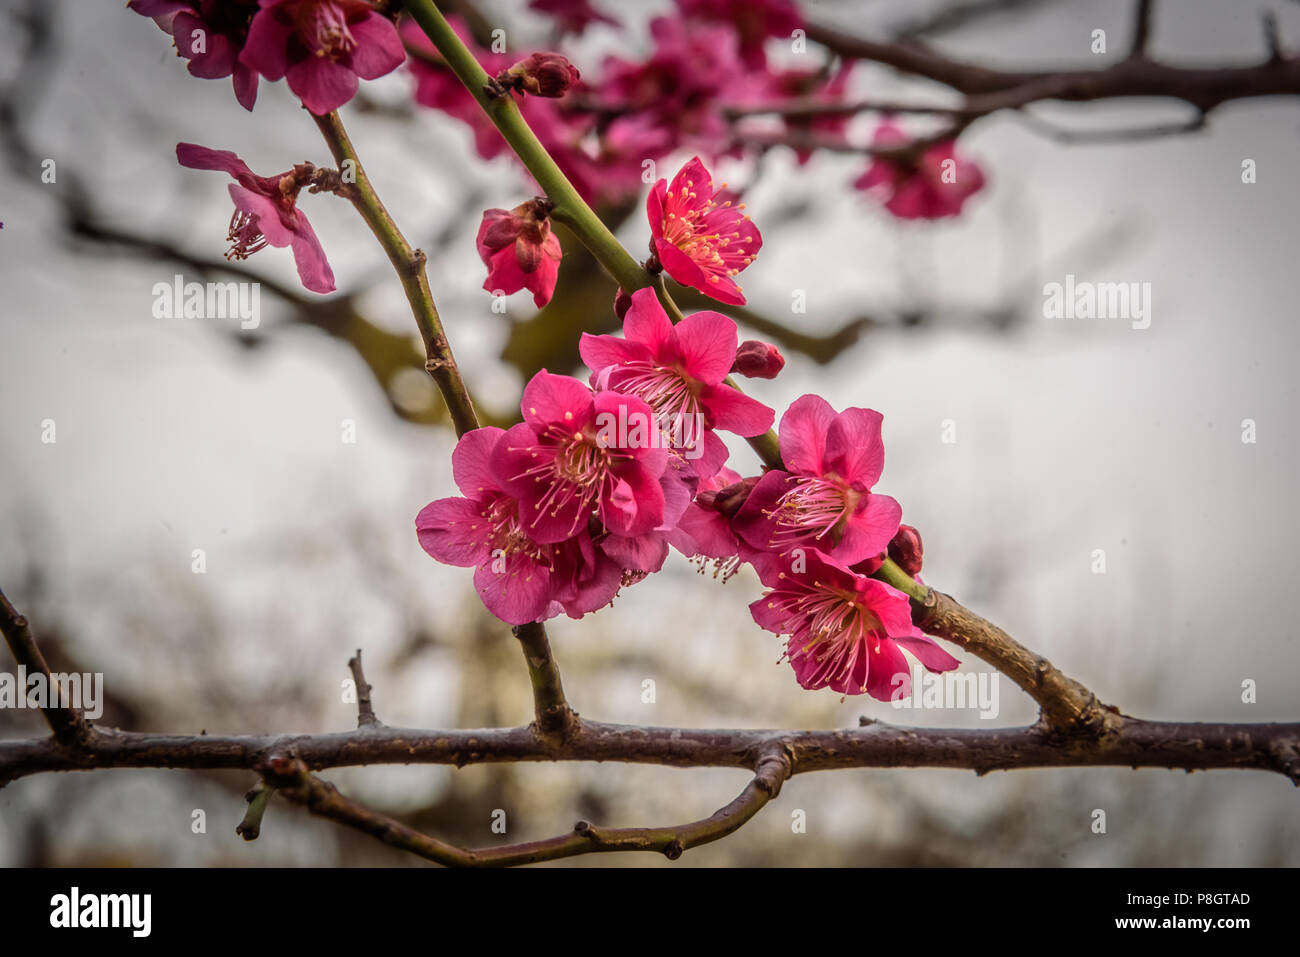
{"x":1066,"y":705}
{"x":1131,"y":742}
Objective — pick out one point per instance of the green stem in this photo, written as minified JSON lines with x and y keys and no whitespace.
{"x":570,"y":208}
{"x":409,"y":265}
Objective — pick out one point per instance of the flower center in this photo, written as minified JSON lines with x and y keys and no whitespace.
{"x":575,"y":476}
{"x":707,"y":233}
{"x":815,"y":506}
{"x":829,"y":625}
{"x":324,"y":28}
{"x":506,"y":533}
{"x":244,"y":235}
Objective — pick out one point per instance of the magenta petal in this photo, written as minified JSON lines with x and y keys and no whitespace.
{"x":267,"y":213}
{"x":200,"y":157}
{"x":928,"y":652}
{"x":548,"y":397}
{"x":245,"y":83}
{"x":321,"y":84}
{"x":472,"y":461}
{"x":732,"y":411}
{"x":706,"y":342}
{"x":869,"y":530}
{"x":643,"y":553}
{"x":854,"y":447}
{"x":313,"y":269}
{"x":518,"y":593}
{"x":803,"y":434}
{"x":379,"y":49}
{"x":646,"y":322}
{"x":654,"y":207}
{"x":264,"y":49}
{"x":889,"y":676}
{"x":600,"y":352}
{"x":453,"y":531}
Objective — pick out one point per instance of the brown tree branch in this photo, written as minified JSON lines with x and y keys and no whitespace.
{"x":1203,"y":87}
{"x":291,"y":777}
{"x":68,"y":723}
{"x":365,"y":709}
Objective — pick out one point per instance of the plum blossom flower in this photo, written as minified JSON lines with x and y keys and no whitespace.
{"x":572,"y":16}
{"x":700,"y":242}
{"x":519,"y":579}
{"x":210,"y":34}
{"x":520,"y":250}
{"x":577,"y":453}
{"x":935,"y":185}
{"x":824,"y":499}
{"x":672,"y":98}
{"x":678,"y":371}
{"x":266,"y":212}
{"x":754,"y":21}
{"x":847,"y":632}
{"x":322,"y":47}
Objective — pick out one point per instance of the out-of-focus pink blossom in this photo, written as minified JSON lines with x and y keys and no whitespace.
{"x":755,"y":21}
{"x":211,"y":35}
{"x":322,"y":47}
{"x":933,"y":186}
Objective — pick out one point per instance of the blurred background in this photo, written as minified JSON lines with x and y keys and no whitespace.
{"x":1071,"y":436}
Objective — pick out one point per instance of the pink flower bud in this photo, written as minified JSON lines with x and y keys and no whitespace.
{"x":520,"y":250}
{"x":905,"y":550}
{"x":758,"y":360}
{"x":622,"y":303}
{"x":542,"y":74}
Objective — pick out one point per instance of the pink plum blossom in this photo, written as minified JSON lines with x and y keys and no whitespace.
{"x":519,"y":579}
{"x":823,"y":500}
{"x":679,"y":372}
{"x":753,"y":20}
{"x":520,"y":250}
{"x":322,"y":47}
{"x":699,"y":241}
{"x":579,"y":453}
{"x":266,"y":213}
{"x":211,"y":35}
{"x":847,"y":632}
{"x":572,"y":16}
{"x":933,"y":186}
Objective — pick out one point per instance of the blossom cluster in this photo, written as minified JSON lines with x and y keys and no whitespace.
{"x":601,"y":479}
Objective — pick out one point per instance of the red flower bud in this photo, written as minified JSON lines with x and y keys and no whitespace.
{"x":758,"y":360}
{"x":622,"y":303}
{"x":869,"y":566}
{"x":905,"y":550}
{"x":542,"y":74}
